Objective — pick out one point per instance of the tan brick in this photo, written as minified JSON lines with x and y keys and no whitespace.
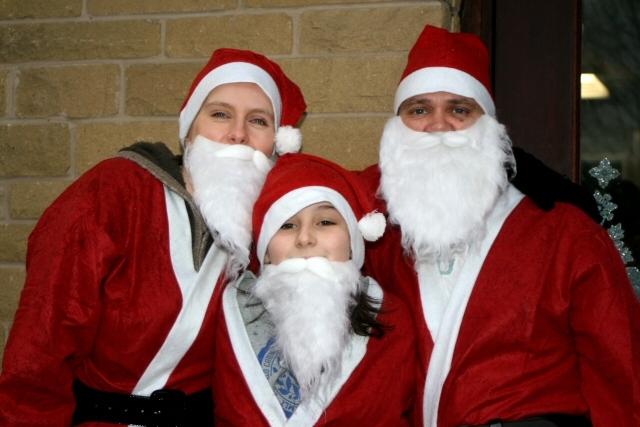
{"x":360,"y":84}
{"x":77,"y":92}
{"x":98,"y":141}
{"x":368,"y":30}
{"x":34,"y":150}
{"x":285,"y":3}
{"x":27,"y":200}
{"x":351,"y":142}
{"x":11,"y":284}
{"x":79,"y":40}
{"x":38,"y":9}
{"x":159,"y":89}
{"x":4,"y":80}
{"x":13,"y":241}
{"x":199,"y":37}
{"x":122,"y":7}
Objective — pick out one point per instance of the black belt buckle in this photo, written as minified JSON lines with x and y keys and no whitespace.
{"x":168,"y":408}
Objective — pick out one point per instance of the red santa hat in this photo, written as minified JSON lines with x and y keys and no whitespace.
{"x":441,"y":61}
{"x":300,"y":180}
{"x":244,"y":66}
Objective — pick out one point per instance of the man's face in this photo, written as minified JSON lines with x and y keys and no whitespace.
{"x":236,"y":113}
{"x":318,"y":230}
{"x":439,"y":112}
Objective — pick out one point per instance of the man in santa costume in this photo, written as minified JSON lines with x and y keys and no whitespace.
{"x":311,"y":341}
{"x":525,"y":317}
{"x":125,"y":268}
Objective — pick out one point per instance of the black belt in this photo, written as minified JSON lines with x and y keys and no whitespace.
{"x":164,"y":408}
{"x":551,"y":420}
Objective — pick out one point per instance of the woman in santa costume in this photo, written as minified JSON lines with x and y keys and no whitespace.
{"x":525,"y":317}
{"x":311,"y":341}
{"x":125,"y":268}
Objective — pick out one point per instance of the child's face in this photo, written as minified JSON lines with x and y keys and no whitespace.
{"x":316,"y":231}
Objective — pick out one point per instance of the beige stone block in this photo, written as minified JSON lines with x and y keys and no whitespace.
{"x":351,"y":142}
{"x":347,"y":85}
{"x":126,"y":7}
{"x":34,"y":150}
{"x":27,"y":200}
{"x":38,"y":9}
{"x":66,"y":41}
{"x":98,"y":141}
{"x":285,"y":3}
{"x":368,"y":30}
{"x":199,"y":37}
{"x":76,"y":92}
{"x":13,"y":241}
{"x":159,"y":89}
{"x":11,"y":284}
{"x":4,"y":81}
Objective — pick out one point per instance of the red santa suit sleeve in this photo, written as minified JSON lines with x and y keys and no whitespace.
{"x":100,"y":298}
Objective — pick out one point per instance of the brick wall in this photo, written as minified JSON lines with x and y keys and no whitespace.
{"x":80,"y":79}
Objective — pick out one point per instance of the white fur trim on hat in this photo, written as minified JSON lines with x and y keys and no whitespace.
{"x":372,"y":226}
{"x":233,"y":72}
{"x":293,"y":202}
{"x":288,"y":140}
{"x":444,"y":79}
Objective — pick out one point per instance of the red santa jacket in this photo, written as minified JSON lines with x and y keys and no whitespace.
{"x":376,"y":387}
{"x":110,"y":273}
{"x":552,"y":324}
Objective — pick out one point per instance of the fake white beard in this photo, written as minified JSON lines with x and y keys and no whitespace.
{"x":440,"y":187}
{"x":310,"y":303}
{"x":227,"y":180}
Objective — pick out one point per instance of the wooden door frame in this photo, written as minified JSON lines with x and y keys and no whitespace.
{"x":535,"y":51}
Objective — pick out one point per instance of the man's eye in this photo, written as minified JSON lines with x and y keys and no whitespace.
{"x":418,"y":111}
{"x":460,"y":111}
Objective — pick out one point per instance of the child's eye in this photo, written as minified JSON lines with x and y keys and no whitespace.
{"x":287,"y":226}
{"x":326,"y":222}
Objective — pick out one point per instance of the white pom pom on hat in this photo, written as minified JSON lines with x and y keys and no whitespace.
{"x":244,"y":66}
{"x":300,"y":180}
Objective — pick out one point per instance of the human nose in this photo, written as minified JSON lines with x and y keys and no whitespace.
{"x":305,"y":237}
{"x":438,"y":122}
{"x":238,"y":133}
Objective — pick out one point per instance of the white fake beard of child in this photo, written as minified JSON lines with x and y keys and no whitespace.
{"x":227,"y":180}
{"x":310,"y":303}
{"x":441,"y":186}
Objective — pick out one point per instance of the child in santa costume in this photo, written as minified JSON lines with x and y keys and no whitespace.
{"x":525,"y":317}
{"x":311,"y":341}
{"x":125,"y":268}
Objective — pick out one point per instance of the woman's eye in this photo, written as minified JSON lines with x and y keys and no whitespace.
{"x":219,"y":114}
{"x":260,"y":122}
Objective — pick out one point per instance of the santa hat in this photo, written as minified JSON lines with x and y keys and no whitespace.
{"x":441,"y":61}
{"x":244,"y":66}
{"x":300,"y":180}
